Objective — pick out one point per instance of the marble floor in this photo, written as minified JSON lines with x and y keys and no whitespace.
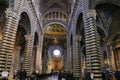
{"x":51,"y":78}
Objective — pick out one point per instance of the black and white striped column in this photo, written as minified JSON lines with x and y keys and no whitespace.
{"x":76,"y":59}
{"x":8,"y":40}
{"x":28,"y":59}
{"x":17,"y":58}
{"x":92,"y":44}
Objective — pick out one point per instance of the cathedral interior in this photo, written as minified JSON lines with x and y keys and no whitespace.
{"x":60,"y":35}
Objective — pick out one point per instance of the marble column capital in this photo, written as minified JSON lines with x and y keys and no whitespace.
{"x":91,"y":13}
{"x":28,"y":37}
{"x":77,"y":37}
{"x":12,"y":13}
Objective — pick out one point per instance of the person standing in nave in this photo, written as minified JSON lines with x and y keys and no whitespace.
{"x":33,"y":76}
{"x":24,"y":75}
{"x":5,"y":75}
{"x":59,"y":75}
{"x":107,"y":75}
{"x":117,"y":75}
{"x":103,"y":76}
{"x":92,"y":75}
{"x":87,"y":75}
{"x":18,"y":74}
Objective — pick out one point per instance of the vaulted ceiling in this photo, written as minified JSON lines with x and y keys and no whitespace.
{"x":46,"y":5}
{"x":4,"y":3}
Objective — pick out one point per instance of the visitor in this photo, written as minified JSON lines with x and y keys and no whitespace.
{"x":33,"y":76}
{"x":92,"y":75}
{"x":107,"y":75}
{"x":87,"y":76}
{"x":24,"y":75}
{"x":103,"y":76}
{"x":117,"y":75}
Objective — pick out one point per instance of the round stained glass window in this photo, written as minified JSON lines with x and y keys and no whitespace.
{"x":56,"y":52}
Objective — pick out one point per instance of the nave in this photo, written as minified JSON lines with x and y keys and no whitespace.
{"x":45,"y":36}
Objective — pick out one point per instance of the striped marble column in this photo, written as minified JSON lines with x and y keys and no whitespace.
{"x":92,"y":44}
{"x":17,"y":58}
{"x":28,"y":60}
{"x":76,"y":58}
{"x":69,"y":62}
{"x":38,"y":60}
{"x":8,"y":39}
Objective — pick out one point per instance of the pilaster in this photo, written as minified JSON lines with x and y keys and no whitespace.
{"x":113,"y":58}
{"x":38,"y":59}
{"x":44,"y":61}
{"x":110,"y":57}
{"x":92,"y":44}
{"x":69,"y":59}
{"x":65,"y":61}
{"x":8,"y":39}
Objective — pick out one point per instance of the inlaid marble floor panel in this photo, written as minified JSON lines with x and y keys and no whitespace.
{"x":52,"y":78}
